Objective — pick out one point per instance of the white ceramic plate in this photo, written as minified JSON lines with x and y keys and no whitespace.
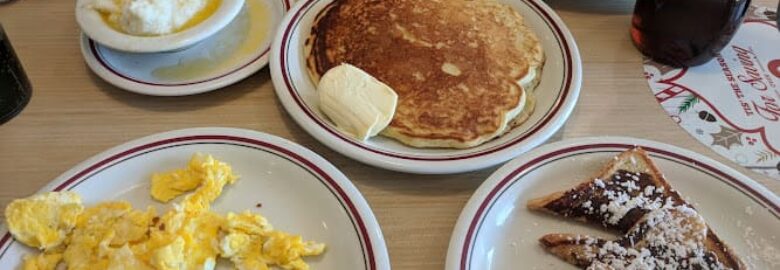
{"x":299,"y":191}
{"x":496,"y":231}
{"x":556,"y":96}
{"x":232,"y":54}
{"x":93,"y":24}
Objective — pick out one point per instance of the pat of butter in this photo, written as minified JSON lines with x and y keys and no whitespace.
{"x":527,"y":81}
{"x":355,"y":101}
{"x":151,"y":17}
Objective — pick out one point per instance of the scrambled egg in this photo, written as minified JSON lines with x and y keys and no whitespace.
{"x":43,"y":221}
{"x":41,"y":261}
{"x":114,"y":235}
{"x":103,"y":229}
{"x":252,"y":243}
{"x":200,"y":169}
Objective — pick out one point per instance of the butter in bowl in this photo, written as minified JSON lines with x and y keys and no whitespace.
{"x":166,"y":48}
{"x":149,"y":26}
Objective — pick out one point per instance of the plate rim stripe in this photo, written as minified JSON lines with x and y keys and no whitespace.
{"x":567,"y":54}
{"x":104,"y":63}
{"x":366,"y":239}
{"x":468,"y":241}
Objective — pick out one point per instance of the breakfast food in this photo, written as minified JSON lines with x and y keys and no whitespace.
{"x":43,"y":221}
{"x":114,"y":235}
{"x":631,"y":196}
{"x":359,"y":104}
{"x":154,"y":17}
{"x":665,"y":238}
{"x":457,"y":65}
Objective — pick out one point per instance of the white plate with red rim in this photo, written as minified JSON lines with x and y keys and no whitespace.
{"x":300,"y":192}
{"x":495,"y":230}
{"x":556,"y":95}
{"x":232,"y":54}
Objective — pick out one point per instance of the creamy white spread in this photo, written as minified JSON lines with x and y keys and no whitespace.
{"x":355,"y":101}
{"x":149,"y":17}
{"x":527,"y":81}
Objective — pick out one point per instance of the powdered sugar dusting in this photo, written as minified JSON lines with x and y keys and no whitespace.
{"x":760,"y":250}
{"x":599,"y":183}
{"x":670,"y":237}
{"x":749,"y":210}
{"x":623,"y":195}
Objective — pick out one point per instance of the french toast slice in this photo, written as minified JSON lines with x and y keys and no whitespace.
{"x":626,"y":189}
{"x":572,"y":248}
{"x":665,"y":238}
{"x":599,"y":200}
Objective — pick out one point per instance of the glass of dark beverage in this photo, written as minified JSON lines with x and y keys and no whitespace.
{"x":15,"y":88}
{"x":685,"y":32}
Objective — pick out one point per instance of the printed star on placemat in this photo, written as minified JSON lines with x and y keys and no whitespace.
{"x":727,"y":137}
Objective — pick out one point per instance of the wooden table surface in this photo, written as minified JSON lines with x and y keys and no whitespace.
{"x":74,"y":115}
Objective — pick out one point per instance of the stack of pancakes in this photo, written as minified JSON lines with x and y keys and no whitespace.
{"x":464,"y":70}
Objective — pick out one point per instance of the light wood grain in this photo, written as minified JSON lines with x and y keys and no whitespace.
{"x":74,"y":115}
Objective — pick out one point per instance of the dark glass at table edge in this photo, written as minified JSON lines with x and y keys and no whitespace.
{"x":15,"y":87}
{"x":682,"y":40}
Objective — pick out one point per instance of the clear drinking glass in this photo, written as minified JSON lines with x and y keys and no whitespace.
{"x":685,"y":32}
{"x":15,"y":88}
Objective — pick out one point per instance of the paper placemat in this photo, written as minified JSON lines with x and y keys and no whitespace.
{"x":732,"y":103}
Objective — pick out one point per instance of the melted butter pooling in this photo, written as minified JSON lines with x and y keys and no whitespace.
{"x":238,"y":41}
{"x":112,"y":15}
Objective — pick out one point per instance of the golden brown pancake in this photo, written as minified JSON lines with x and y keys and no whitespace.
{"x":455,"y":64}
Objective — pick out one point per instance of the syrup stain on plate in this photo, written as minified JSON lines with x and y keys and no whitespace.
{"x":236,"y":43}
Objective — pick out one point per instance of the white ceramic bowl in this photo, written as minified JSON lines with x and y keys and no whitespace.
{"x":253,"y":29}
{"x":92,"y":23}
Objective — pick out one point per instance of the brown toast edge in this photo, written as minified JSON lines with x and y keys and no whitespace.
{"x":724,"y":253}
{"x":566,"y":247}
{"x":541,"y":202}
